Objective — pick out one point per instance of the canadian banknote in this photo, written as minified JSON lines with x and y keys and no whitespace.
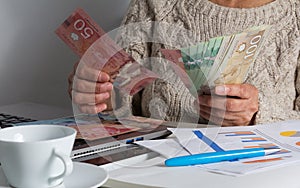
{"x":90,"y":128}
{"x":220,"y":60}
{"x":96,"y":131}
{"x":88,"y":40}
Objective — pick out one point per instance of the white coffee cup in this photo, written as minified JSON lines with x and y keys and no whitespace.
{"x":36,"y":156}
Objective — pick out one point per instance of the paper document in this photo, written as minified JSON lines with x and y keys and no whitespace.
{"x":284,"y":136}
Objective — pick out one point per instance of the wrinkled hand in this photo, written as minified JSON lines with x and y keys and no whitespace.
{"x":89,"y":88}
{"x":230,"y":105}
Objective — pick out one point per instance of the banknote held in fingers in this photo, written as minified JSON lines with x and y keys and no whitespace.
{"x":220,"y":60}
{"x":98,"y":50}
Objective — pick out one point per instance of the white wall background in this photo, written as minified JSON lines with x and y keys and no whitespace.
{"x":34,"y":62}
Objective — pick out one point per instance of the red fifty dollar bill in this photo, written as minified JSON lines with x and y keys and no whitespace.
{"x":80,"y":33}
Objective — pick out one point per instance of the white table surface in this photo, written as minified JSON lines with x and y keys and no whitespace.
{"x":148,"y":171}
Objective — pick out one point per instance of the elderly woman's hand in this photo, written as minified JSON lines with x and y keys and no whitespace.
{"x":90,"y":89}
{"x":230,"y":105}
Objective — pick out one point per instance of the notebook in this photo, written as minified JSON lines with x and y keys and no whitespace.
{"x":101,"y":138}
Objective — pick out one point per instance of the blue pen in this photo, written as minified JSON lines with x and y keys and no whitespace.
{"x":214,"y":157}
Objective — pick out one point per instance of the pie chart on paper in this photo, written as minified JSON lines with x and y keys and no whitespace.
{"x":290,"y":133}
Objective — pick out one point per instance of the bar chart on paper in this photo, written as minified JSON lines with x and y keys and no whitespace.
{"x":238,"y":133}
{"x":191,"y":141}
{"x":284,"y":138}
{"x":284,"y":133}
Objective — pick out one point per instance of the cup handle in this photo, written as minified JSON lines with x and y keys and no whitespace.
{"x":68,"y":166}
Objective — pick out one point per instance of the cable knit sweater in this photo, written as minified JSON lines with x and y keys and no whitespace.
{"x":275,"y":72}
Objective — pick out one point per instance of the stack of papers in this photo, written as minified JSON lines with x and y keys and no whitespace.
{"x":284,"y":136}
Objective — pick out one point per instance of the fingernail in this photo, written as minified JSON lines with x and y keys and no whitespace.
{"x":221,"y":90}
{"x":101,"y":108}
{"x":107,"y":77}
{"x":104,"y":77}
{"x":109,"y":86}
{"x":104,"y":107}
{"x":106,"y":95}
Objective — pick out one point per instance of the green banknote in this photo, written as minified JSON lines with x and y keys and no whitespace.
{"x":220,"y":60}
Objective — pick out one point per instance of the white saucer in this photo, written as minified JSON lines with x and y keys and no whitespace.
{"x":83,"y":176}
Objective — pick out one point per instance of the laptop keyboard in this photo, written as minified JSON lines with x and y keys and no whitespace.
{"x":7,"y":120}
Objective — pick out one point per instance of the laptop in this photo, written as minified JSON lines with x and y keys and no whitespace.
{"x":98,"y":148}
{"x":28,"y":112}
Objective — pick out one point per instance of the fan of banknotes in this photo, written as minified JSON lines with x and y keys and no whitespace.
{"x":220,"y":60}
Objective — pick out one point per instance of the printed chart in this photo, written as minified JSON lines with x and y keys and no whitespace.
{"x":251,"y":140}
{"x":290,"y":133}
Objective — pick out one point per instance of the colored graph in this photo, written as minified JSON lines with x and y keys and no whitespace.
{"x":263,"y":160}
{"x":238,"y":133}
{"x":265,"y":146}
{"x":290,"y":133}
{"x":253,"y":139}
{"x":208,"y":141}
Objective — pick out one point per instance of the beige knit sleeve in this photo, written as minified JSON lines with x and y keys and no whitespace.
{"x":298,"y":13}
{"x":137,"y":12}
{"x":279,"y":96}
{"x":294,"y":113}
{"x":275,"y":110}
